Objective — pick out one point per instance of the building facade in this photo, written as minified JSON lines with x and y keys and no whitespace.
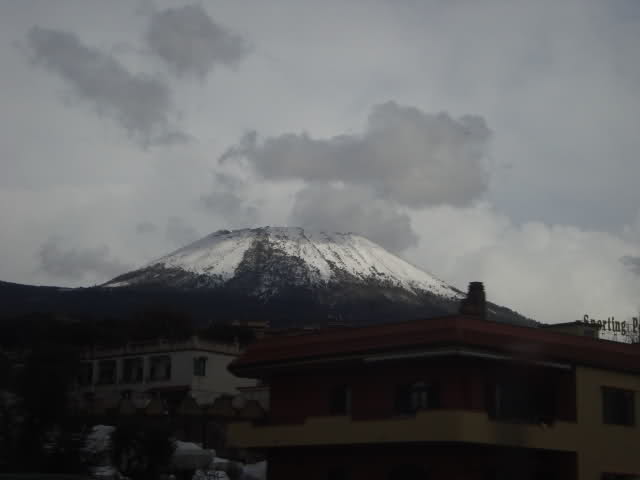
{"x":142,"y":371}
{"x":456,"y":397}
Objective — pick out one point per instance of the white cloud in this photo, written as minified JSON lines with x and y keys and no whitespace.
{"x":552,"y":273}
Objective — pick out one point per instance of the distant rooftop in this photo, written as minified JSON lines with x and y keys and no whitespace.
{"x":159,"y":345}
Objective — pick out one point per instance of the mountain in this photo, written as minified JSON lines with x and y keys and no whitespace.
{"x":266,"y":261}
{"x":287,"y":275}
{"x":320,"y":275}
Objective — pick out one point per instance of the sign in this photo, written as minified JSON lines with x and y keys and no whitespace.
{"x":614,"y":326}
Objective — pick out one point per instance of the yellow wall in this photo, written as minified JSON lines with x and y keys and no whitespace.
{"x":427,"y":426}
{"x":600,"y":448}
{"x":605,"y":448}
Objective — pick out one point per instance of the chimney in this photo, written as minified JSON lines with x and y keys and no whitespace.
{"x":475,"y":303}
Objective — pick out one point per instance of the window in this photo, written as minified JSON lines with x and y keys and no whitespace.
{"x":107,"y":372}
{"x":510,"y":472}
{"x":160,"y":368}
{"x":522,"y":401}
{"x":417,"y":396}
{"x":200,"y":366}
{"x":337,"y":473}
{"x":85,"y":375}
{"x":132,"y":370}
{"x":619,"y":476}
{"x":340,"y":400}
{"x":408,"y":472}
{"x":617,"y":406}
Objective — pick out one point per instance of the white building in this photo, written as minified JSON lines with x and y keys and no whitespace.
{"x":144,"y":370}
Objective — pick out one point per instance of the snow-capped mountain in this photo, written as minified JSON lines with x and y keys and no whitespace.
{"x":289,"y":276}
{"x":265,"y":261}
{"x":297,"y":277}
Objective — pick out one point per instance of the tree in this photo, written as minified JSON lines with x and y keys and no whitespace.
{"x":42,"y":388}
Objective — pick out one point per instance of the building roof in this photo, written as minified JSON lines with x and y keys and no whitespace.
{"x":456,"y":330}
{"x":161,"y":345}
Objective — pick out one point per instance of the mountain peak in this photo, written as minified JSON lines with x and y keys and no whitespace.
{"x":268,"y":259}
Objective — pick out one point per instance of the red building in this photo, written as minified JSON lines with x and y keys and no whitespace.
{"x":456,"y":397}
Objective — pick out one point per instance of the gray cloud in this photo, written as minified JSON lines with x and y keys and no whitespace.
{"x":179,"y":233}
{"x":191,"y":42}
{"x":633,"y":263}
{"x":353,"y":209}
{"x":228,"y":199}
{"x":140,"y":103}
{"x":172,"y":137}
{"x":524,"y":264}
{"x":76,"y":263}
{"x":143,"y":228}
{"x":406,"y":155}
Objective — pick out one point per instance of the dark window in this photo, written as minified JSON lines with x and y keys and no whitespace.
{"x":200,"y":366}
{"x":85,"y":376}
{"x":132,"y":370}
{"x":510,"y":473}
{"x":617,"y":406}
{"x":340,"y":400}
{"x":521,"y":401}
{"x":160,"y":367}
{"x":417,"y":396}
{"x":107,"y":372}
{"x":619,"y":476}
{"x":408,"y":472}
{"x":338,"y":473}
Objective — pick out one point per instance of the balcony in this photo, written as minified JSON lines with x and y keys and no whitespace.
{"x":425,"y":426}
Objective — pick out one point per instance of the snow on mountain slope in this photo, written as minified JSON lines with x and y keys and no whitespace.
{"x":284,"y":256}
{"x":218,"y":254}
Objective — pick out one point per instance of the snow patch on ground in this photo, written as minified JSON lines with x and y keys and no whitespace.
{"x":191,"y":456}
{"x":98,"y":446}
{"x":99,"y":440}
{"x":219,"y":467}
{"x":187,"y":456}
{"x":256,"y":470}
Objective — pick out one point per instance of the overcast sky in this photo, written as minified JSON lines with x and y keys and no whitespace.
{"x":481,"y":140}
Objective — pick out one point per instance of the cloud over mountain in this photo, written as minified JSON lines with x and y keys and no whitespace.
{"x":146,"y":227}
{"x":191,"y":43}
{"x":406,"y":155}
{"x":73,"y":263}
{"x":633,"y":263}
{"x":140,"y":103}
{"x":554,"y":273}
{"x":178,"y":232}
{"x":353,"y":209}
{"x":228,"y":199}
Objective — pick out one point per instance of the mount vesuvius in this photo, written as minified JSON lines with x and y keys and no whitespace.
{"x":288,"y":275}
